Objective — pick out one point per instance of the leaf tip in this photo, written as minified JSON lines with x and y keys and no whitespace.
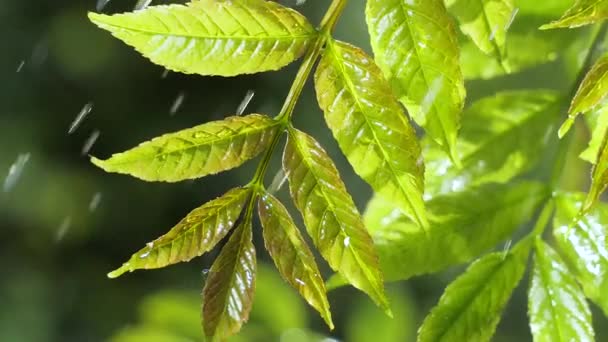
{"x":565,"y":127}
{"x":99,"y":163}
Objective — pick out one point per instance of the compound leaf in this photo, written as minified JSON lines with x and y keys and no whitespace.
{"x":370,"y":126}
{"x":597,"y":121}
{"x":583,"y":12}
{"x":557,"y":307}
{"x":229,"y":289}
{"x":214,"y":37}
{"x":416,"y":45}
{"x":195,"y":152}
{"x":330,"y":215}
{"x":599,"y":175}
{"x":194,"y":235}
{"x":291,"y":254}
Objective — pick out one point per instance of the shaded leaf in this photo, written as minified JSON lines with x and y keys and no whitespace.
{"x":463,"y":226}
{"x":543,"y":8}
{"x":291,"y":254}
{"x":370,"y":126}
{"x":599,"y":175}
{"x":331,"y":217}
{"x":229,"y":289}
{"x":195,"y":152}
{"x":214,"y":37}
{"x":471,"y":306}
{"x":415,"y":44}
{"x":583,"y":12}
{"x":557,"y":307}
{"x":597,"y":121}
{"x":583,"y":242}
{"x":194,"y":235}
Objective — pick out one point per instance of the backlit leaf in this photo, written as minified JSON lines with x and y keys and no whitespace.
{"x":471,"y":306}
{"x":583,"y":12}
{"x":599,"y":175}
{"x":331,"y":217}
{"x":501,"y":137}
{"x":462,"y":226}
{"x":229,"y":289}
{"x":194,"y":235}
{"x":370,"y":126}
{"x":597,"y":121}
{"x":291,"y":254}
{"x":557,"y":307}
{"x":195,"y":152}
{"x":214,"y":37}
{"x":415,"y":44}
{"x":584,"y":243}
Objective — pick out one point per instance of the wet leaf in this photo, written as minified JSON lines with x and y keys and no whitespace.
{"x":229,"y":289}
{"x":583,"y":12}
{"x":370,"y":126}
{"x":471,"y":306}
{"x":195,"y":152}
{"x":291,"y":254}
{"x":597,"y":121}
{"x":416,"y":46}
{"x":583,"y":242}
{"x":599,"y":175}
{"x":502,"y":136}
{"x":330,"y":215}
{"x":591,"y":92}
{"x":462,"y":226}
{"x":211,"y":37}
{"x":557,"y":307}
{"x":193,"y":236}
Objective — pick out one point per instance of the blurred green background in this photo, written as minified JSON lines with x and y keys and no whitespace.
{"x":64,"y":223}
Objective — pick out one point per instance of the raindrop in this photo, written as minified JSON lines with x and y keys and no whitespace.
{"x":142,"y":4}
{"x":179,"y":100}
{"x":347,"y":241}
{"x":101,"y":4}
{"x":513,"y":14}
{"x":164,"y":74}
{"x":300,"y":281}
{"x":95,"y":202}
{"x":300,"y":2}
{"x":80,"y":117}
{"x":205,"y":271}
{"x":89,"y":142}
{"x":20,"y":66}
{"x":241,"y":109}
{"x":15,"y":171}
{"x":150,"y":244}
{"x":63,"y":228}
{"x":144,"y":255}
{"x":277,"y":182}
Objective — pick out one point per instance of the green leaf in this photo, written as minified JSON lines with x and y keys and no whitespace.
{"x":471,"y":306}
{"x":542,"y":8}
{"x":486,"y":22}
{"x":463,"y":226}
{"x":370,"y":126}
{"x":229,"y":289}
{"x":583,"y":241}
{"x":195,"y":152}
{"x":557,"y":307}
{"x":415,"y":44}
{"x":291,"y":254}
{"x":599,"y":175}
{"x":597,"y":121}
{"x":214,"y":37}
{"x":583,"y":12}
{"x":502,"y":136}
{"x":330,"y":215}
{"x":591,"y":92}
{"x":194,"y":235}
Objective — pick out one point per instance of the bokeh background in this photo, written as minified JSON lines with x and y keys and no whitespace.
{"x":64,"y":223}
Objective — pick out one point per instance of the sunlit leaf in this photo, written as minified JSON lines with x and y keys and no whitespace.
{"x":229,"y":289}
{"x":415,"y":44}
{"x":501,"y":137}
{"x":584,"y":244}
{"x":583,"y":12}
{"x":471,"y":306}
{"x":599,"y":175}
{"x":291,"y":254}
{"x":370,"y":126}
{"x":195,"y":152}
{"x":557,"y":306}
{"x":331,"y":217}
{"x":590,"y":93}
{"x":463,"y":226}
{"x":597,"y":121}
{"x":543,"y":8}
{"x":194,"y":235}
{"x":214,"y":37}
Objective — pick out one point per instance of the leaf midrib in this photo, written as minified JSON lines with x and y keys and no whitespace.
{"x":544,"y":277}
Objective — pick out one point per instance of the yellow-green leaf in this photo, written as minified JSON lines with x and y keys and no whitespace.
{"x":330,"y":215}
{"x":195,"y":152}
{"x":230,"y":286}
{"x":599,"y":175}
{"x":194,"y":235}
{"x":371,"y":127}
{"x":415,"y":44}
{"x":583,"y":12}
{"x":557,"y":307}
{"x":214,"y":37}
{"x":291,"y":254}
{"x":597,"y":121}
{"x":591,"y":92}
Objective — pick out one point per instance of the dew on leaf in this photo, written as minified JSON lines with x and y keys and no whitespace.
{"x":15,"y":171}
{"x":241,"y":109}
{"x":88,"y":144}
{"x":80,"y":117}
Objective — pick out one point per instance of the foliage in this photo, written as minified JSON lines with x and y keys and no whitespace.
{"x":440,"y":200}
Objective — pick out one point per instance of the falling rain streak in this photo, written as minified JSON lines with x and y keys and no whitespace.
{"x":95,"y":202}
{"x":241,"y":109}
{"x":63,"y":228}
{"x":142,"y":4}
{"x":80,"y":117}
{"x":20,"y":66}
{"x":164,"y":74}
{"x":513,"y":14}
{"x":101,"y":4}
{"x":15,"y":171}
{"x":177,"y":104}
{"x":277,"y":182}
{"x":89,"y":142}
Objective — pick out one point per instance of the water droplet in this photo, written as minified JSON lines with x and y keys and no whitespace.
{"x":20,"y":66}
{"x":150,"y":244}
{"x":80,"y":117}
{"x":347,"y":241}
{"x":241,"y":109}
{"x":63,"y":228}
{"x":205,"y":271}
{"x":15,"y":171}
{"x":179,"y":100}
{"x":95,"y":202}
{"x":89,"y":142}
{"x":300,"y":281}
{"x":144,"y":255}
